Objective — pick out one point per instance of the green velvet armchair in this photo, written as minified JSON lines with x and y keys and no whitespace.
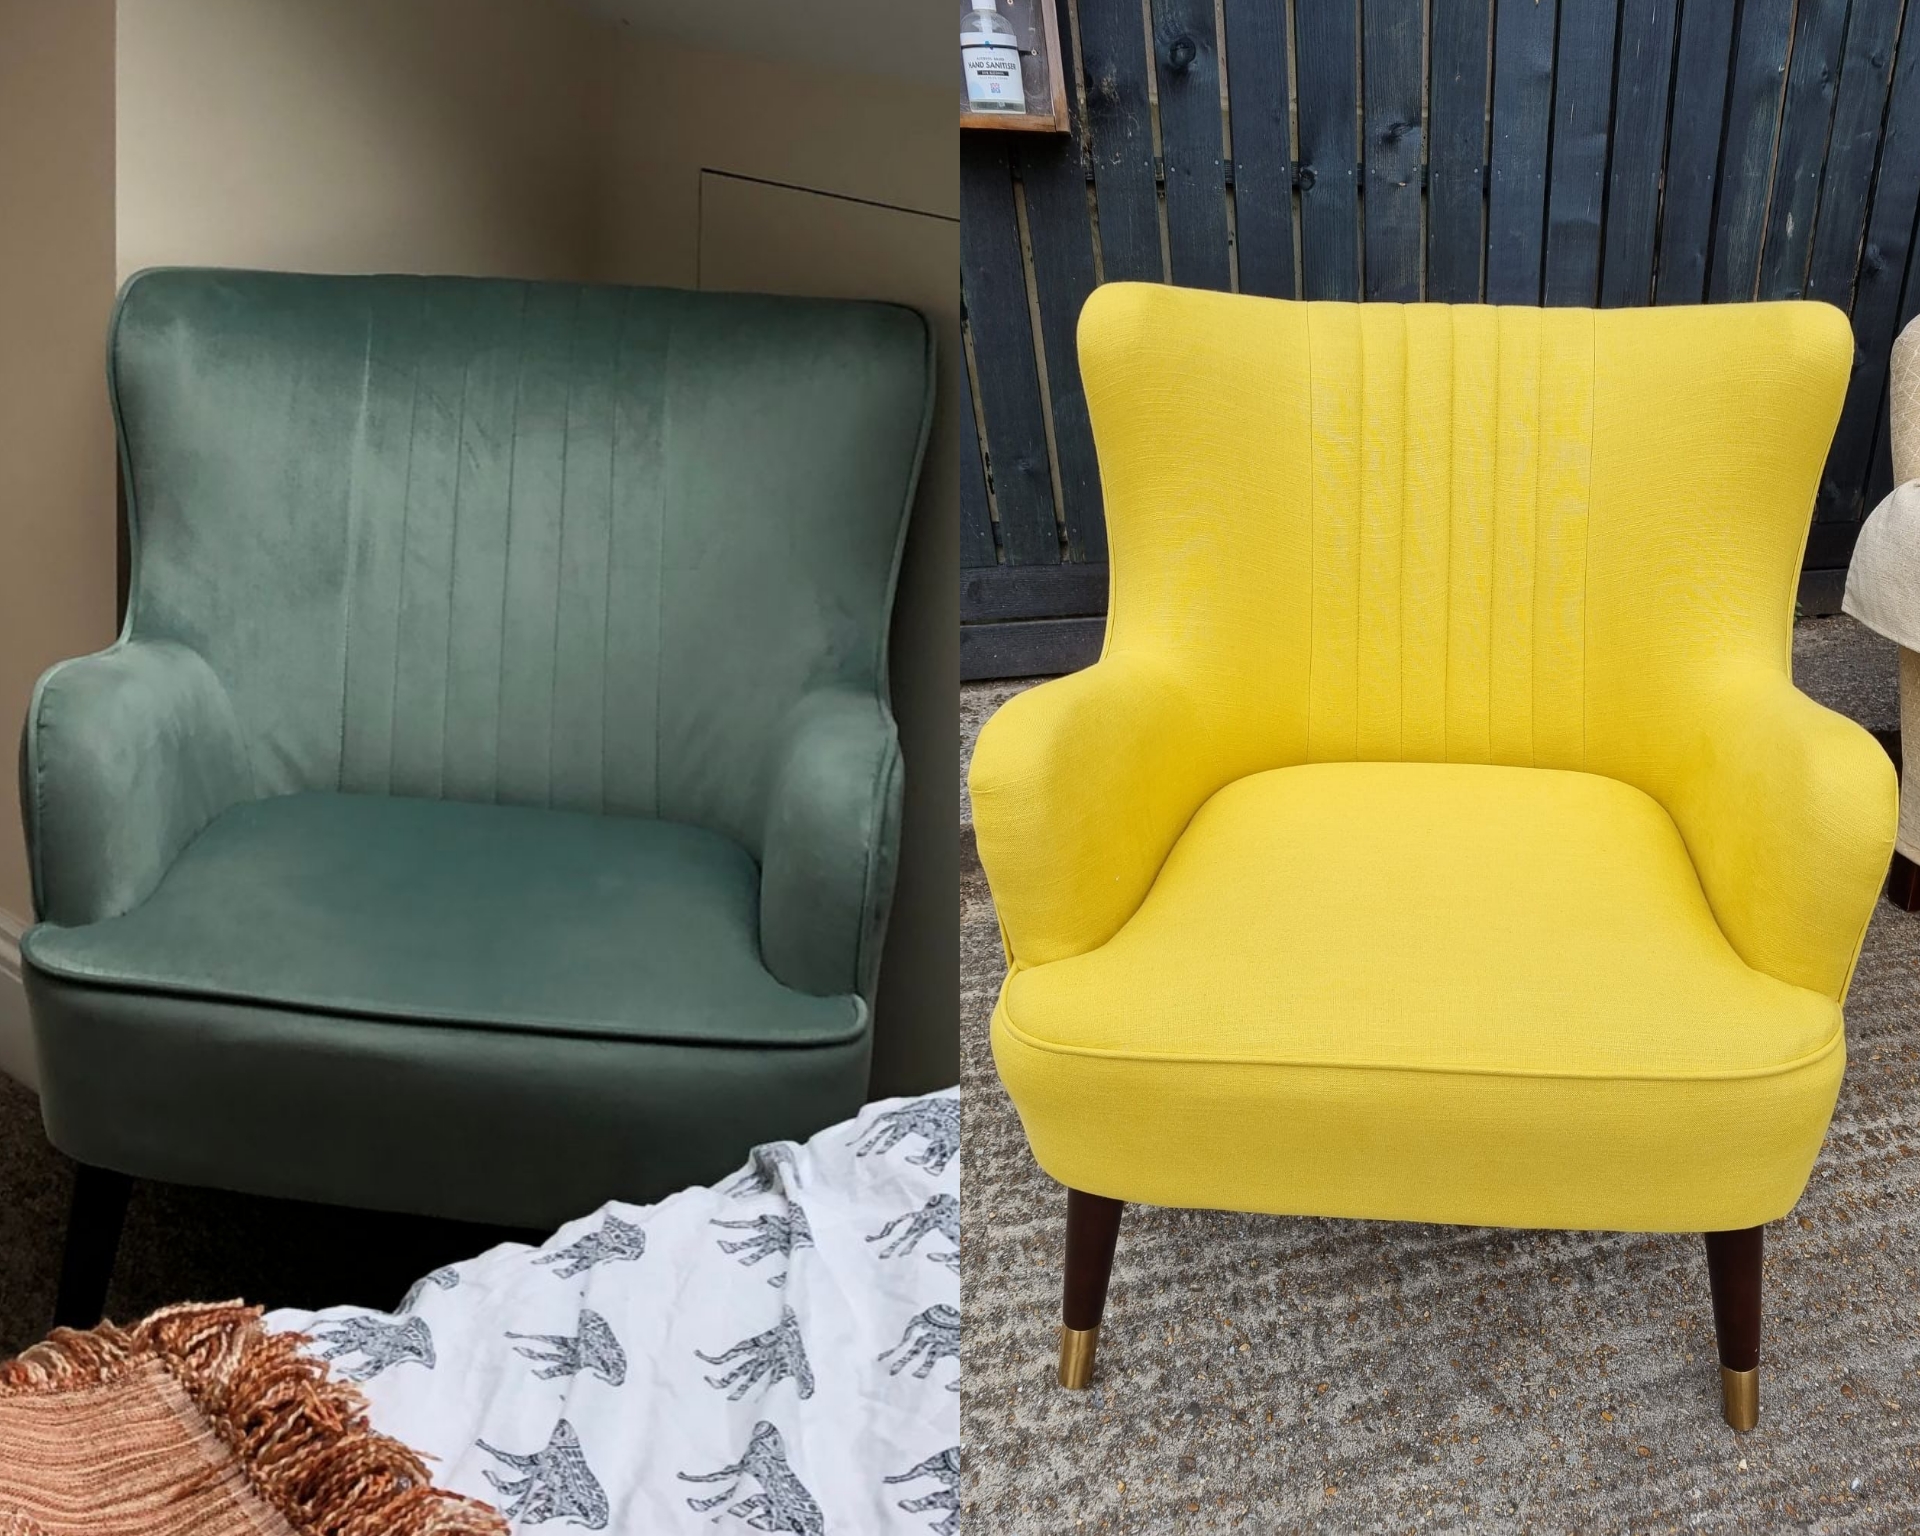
{"x":490,"y":807}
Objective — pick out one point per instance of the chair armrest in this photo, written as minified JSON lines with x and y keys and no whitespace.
{"x":1080,"y":788}
{"x":830,"y":843}
{"x":127,"y":755}
{"x":1788,"y":811}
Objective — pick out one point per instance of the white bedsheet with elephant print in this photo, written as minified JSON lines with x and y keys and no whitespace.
{"x":777,"y":1353}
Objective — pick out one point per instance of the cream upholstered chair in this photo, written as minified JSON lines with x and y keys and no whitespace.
{"x":1440,"y":835}
{"x":1883,"y":592}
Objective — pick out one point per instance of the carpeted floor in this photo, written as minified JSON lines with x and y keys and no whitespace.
{"x":1263,"y":1374}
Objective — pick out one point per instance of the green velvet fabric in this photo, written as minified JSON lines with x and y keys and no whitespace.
{"x":498,"y":917}
{"x":127,"y":755}
{"x":481,"y":1125}
{"x":833,"y":821}
{"x":622,"y":554}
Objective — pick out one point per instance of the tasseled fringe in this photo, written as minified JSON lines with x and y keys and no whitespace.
{"x":301,"y":1435}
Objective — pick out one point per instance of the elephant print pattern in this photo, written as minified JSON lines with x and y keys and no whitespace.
{"x":592,"y":1349}
{"x":775,"y":1356}
{"x":380,"y":1344}
{"x":552,"y":1484}
{"x":773,"y":1233}
{"x":445,"y":1278}
{"x":944,"y":1469}
{"x":931,"y":1337}
{"x":934,"y":1120}
{"x":769,"y":1169}
{"x":721,"y":1361}
{"x":782,"y":1504}
{"x":940,"y":1214}
{"x":615,"y":1241}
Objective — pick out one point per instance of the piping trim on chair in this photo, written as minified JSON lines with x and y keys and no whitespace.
{"x":1799,"y":1063}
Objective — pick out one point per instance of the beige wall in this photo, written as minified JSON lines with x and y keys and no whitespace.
{"x":721,"y":171}
{"x":355,"y":135}
{"x":670,"y":112}
{"x":56,"y":286}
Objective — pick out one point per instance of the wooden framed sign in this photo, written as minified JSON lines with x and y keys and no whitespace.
{"x":1010,"y":71}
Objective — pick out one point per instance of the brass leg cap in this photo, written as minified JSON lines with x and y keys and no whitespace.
{"x":1076,"y":1356}
{"x":1740,"y":1397}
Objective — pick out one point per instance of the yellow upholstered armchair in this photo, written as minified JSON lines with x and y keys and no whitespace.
{"x":1440,"y":836}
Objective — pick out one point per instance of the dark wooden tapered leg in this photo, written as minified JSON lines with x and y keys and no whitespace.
{"x":1903,"y":884}
{"x":93,"y":1238}
{"x":1733,"y":1270}
{"x":1093,"y":1225}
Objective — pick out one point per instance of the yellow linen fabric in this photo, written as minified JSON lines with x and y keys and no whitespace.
{"x":1298,"y":922}
{"x":1533,"y":941}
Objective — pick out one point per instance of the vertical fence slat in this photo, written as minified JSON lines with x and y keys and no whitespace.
{"x":1746,"y":158}
{"x":1617,"y":152}
{"x":1522,"y":103}
{"x":1457,"y":150}
{"x":1390,"y":69}
{"x":1060,"y":232}
{"x":1187,"y":57}
{"x":1326,"y":34}
{"x":1877,"y":293}
{"x":1120,"y":133}
{"x":1258,"y":112}
{"x":1805,"y":122}
{"x":1865,"y":73}
{"x":1643,"y":76}
{"x":1703,"y":65}
{"x":1577,"y":187}
{"x":1830,"y":546}
{"x":996,"y":287}
{"x":1880,"y":461}
{"x":976,"y":520}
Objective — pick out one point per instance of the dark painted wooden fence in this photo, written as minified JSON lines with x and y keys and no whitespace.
{"x":1607,"y":152}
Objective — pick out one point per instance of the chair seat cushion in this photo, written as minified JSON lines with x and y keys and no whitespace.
{"x":440,"y":912}
{"x":1433,"y":991}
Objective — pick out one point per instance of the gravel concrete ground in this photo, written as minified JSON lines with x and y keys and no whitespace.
{"x":1266,"y":1374}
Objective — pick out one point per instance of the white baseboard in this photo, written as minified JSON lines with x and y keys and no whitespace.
{"x":16,"y":1040}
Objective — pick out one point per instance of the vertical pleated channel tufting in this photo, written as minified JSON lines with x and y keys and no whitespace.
{"x":544,"y":544}
{"x":504,"y":530}
{"x":1449,"y":507}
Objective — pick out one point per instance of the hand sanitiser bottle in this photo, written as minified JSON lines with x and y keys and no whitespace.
{"x":990,"y":53}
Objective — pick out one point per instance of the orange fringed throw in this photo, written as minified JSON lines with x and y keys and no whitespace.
{"x":198,"y":1422}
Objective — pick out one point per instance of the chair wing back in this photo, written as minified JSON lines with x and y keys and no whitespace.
{"x":530,"y":542}
{"x":1455,"y":533}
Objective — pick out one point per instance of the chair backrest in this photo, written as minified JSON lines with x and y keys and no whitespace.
{"x":529,"y":542}
{"x":1454,"y":533}
{"x":1903,"y":404}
